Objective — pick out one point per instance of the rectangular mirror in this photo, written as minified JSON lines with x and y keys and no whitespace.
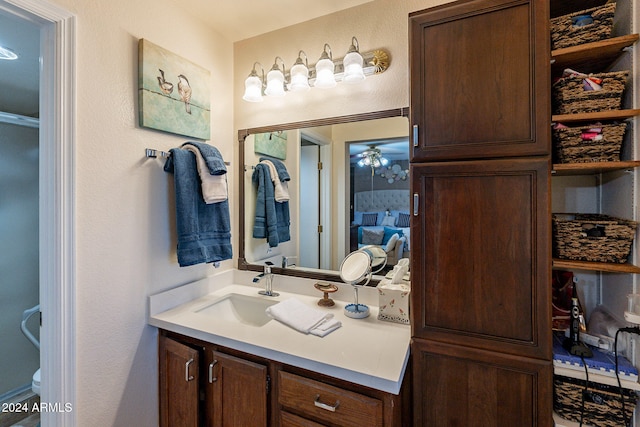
{"x":337,"y":200}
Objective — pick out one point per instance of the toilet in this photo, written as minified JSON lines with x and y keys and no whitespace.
{"x":35,"y":383}
{"x":26,"y":315}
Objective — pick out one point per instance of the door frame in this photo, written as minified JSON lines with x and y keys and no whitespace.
{"x":56,"y":205}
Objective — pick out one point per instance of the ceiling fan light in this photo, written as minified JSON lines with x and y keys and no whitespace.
{"x":8,"y":54}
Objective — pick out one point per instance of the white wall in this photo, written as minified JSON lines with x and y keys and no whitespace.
{"x":124,"y":203}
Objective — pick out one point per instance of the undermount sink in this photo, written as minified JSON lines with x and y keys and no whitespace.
{"x":241,"y":308}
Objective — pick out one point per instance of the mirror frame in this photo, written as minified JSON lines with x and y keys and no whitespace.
{"x":328,"y":275}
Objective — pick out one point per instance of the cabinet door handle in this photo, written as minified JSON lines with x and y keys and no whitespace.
{"x":330,"y":408}
{"x":212,"y":379}
{"x":416,"y":204}
{"x":415,"y":135}
{"x":187,"y":377}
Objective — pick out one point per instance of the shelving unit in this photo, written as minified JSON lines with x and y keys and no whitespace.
{"x":614,"y":181}
{"x":589,"y":58}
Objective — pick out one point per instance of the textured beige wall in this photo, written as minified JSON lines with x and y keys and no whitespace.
{"x":379,"y":24}
{"x":125,"y":231}
{"x":124,"y":205}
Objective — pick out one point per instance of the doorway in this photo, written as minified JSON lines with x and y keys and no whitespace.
{"x":56,"y":272}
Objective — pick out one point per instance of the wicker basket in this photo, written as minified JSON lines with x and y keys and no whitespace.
{"x":569,"y":96}
{"x":569,"y":147}
{"x":564,"y":33}
{"x":602,"y":403}
{"x":592,"y":237}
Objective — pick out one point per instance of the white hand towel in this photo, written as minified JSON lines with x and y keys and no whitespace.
{"x":214,"y":187}
{"x":302,"y":318}
{"x":281,"y":189}
{"x":326,"y":327}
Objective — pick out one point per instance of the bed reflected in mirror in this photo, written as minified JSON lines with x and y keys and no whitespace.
{"x":346,"y":185}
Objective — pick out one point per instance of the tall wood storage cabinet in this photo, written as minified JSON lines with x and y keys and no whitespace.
{"x":481,"y":250}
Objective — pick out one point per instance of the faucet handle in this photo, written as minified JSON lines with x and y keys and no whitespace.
{"x":267,"y":266}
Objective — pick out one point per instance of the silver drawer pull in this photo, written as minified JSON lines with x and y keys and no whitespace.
{"x":187,"y":377}
{"x":212,"y":379}
{"x":324,"y":405}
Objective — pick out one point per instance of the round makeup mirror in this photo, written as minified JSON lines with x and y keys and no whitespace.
{"x":358,"y":266}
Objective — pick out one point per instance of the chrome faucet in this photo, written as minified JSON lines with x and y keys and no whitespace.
{"x":289,"y":261}
{"x":268,"y":276}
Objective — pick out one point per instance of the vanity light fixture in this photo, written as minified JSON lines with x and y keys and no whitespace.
{"x":8,"y":54}
{"x":325,"y":69}
{"x":275,"y":80}
{"x":253,"y":85}
{"x":353,"y":72}
{"x":300,"y":74}
{"x":324,"y":74}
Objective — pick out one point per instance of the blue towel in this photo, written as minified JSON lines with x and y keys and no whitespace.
{"x":272,"y":218}
{"x":204,"y":231}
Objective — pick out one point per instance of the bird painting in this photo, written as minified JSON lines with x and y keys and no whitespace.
{"x":184,"y":89}
{"x":165,"y":86}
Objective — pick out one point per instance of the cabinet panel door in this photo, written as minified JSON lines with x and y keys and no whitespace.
{"x":237,"y":391}
{"x":480,"y":246}
{"x":178,"y":384}
{"x":480,"y":79}
{"x":457,"y":386}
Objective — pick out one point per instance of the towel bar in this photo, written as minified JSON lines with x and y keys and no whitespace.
{"x":152,"y":153}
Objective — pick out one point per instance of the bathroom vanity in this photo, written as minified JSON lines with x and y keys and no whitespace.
{"x":222,"y":363}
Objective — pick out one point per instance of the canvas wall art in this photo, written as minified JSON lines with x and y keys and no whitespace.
{"x":272,"y":144}
{"x":174,"y":93}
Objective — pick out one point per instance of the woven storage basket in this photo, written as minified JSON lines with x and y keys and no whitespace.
{"x":575,"y":237}
{"x":602,"y":403}
{"x":569,"y":96}
{"x":564,"y":33}
{"x":569,"y":147}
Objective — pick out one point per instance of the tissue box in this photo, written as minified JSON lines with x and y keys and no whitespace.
{"x":393,"y":302}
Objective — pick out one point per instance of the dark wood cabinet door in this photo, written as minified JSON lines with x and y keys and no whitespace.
{"x":236,"y":391}
{"x":458,"y":386}
{"x":480,"y":80}
{"x":481,"y":254}
{"x":179,"y":390}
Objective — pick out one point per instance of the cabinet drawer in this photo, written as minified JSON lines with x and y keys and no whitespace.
{"x":326,"y":403}
{"x":289,"y":420}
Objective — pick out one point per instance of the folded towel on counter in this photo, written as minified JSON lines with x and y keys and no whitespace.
{"x":280,"y":188}
{"x":303,"y":318}
{"x":212,"y":171}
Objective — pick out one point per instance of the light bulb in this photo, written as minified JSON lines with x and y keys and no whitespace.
{"x":275,"y":83}
{"x":299,"y":75}
{"x":325,"y":77}
{"x":253,"y":89}
{"x":353,"y":63}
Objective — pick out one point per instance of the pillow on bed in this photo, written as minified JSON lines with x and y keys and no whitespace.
{"x":388,"y":232}
{"x":403,"y":220}
{"x":369,"y":218}
{"x":372,"y":237}
{"x":389,"y":221}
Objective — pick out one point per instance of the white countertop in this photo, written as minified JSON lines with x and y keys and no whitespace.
{"x":368,"y":351}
